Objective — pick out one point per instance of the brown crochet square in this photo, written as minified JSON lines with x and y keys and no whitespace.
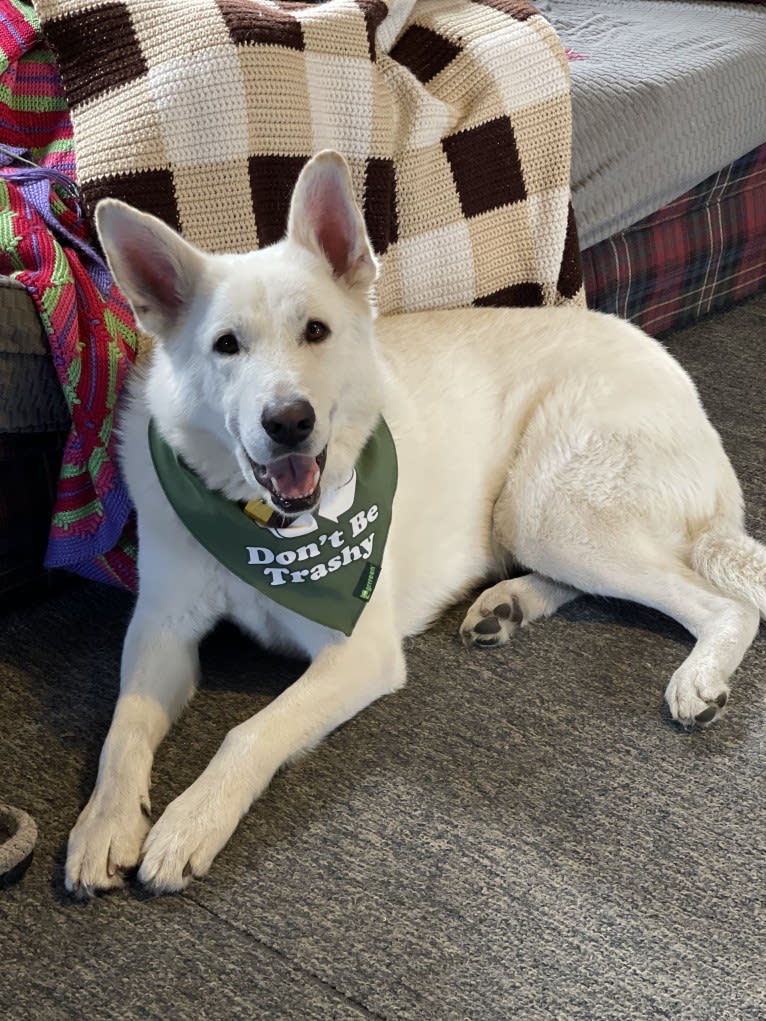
{"x":486,"y":166}
{"x":106,"y":35}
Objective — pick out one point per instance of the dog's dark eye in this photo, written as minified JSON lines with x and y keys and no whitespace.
{"x":226,"y":344}
{"x":316,"y":331}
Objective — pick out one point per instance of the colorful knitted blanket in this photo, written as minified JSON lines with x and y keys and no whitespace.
{"x":454,"y":116}
{"x":46,"y":245}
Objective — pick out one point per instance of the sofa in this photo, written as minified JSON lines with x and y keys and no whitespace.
{"x":668,"y":193}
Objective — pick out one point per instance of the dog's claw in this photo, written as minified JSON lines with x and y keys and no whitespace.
{"x":111,"y":868}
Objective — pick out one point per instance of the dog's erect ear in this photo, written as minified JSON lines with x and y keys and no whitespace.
{"x":154,"y":267}
{"x":325,"y":218}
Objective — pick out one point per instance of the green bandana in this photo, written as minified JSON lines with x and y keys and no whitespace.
{"x":323,"y":566}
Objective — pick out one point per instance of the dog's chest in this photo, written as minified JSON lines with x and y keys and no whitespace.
{"x":274,"y":626}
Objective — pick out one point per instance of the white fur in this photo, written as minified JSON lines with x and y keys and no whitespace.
{"x":563,"y":439}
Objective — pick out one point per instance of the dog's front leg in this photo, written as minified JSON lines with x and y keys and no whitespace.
{"x":342,"y":680}
{"x":159,"y":671}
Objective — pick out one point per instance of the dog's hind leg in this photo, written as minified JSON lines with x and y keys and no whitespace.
{"x":501,"y":610}
{"x":723,"y":626}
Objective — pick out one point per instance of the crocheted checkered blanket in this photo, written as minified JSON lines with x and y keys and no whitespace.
{"x":454,"y":116}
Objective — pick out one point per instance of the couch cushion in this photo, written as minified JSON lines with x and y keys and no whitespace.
{"x":30,"y":394}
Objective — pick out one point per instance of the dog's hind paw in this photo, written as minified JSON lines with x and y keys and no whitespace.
{"x":501,"y":610}
{"x":490,"y":622}
{"x":695,"y":698}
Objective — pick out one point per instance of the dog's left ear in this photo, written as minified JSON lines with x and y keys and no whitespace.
{"x":325,"y":218}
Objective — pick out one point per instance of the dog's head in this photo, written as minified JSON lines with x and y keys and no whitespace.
{"x":265,"y":375}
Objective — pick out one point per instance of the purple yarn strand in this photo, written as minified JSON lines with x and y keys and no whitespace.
{"x":34,"y":183}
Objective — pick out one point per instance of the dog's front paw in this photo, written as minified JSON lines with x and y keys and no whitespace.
{"x":185,"y":840}
{"x":105,"y":843}
{"x":695,"y":696}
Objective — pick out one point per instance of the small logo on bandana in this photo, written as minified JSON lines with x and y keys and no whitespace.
{"x":367,"y":582}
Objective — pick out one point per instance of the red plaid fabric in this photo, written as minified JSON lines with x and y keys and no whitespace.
{"x":699,"y":254}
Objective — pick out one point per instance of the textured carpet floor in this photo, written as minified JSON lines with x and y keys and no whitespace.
{"x":517,"y":834}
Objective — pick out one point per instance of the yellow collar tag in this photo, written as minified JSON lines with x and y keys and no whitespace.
{"x":258,"y":511}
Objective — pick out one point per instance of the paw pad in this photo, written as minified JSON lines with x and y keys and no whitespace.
{"x":492,"y":628}
{"x":509,"y":611}
{"x":712,"y":711}
{"x":707,"y":715}
{"x":488,"y":626}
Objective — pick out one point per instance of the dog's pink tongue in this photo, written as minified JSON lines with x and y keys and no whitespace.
{"x":294,"y":476}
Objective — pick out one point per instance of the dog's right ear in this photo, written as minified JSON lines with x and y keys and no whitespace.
{"x":154,"y":267}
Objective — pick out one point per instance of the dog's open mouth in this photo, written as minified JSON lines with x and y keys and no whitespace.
{"x":293,"y":481}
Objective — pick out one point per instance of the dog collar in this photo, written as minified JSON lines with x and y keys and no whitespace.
{"x":323,"y":566}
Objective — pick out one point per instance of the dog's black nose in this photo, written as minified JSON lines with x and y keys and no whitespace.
{"x":289,"y":424}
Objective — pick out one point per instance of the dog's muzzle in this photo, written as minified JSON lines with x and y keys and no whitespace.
{"x":292,"y":479}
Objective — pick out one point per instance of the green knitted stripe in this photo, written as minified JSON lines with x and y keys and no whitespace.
{"x":28,"y":13}
{"x":63,"y":519}
{"x":30,"y":103}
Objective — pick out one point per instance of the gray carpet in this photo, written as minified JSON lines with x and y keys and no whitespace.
{"x":518,"y":834}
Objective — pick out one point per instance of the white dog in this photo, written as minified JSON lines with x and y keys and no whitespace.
{"x":558,"y":439}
